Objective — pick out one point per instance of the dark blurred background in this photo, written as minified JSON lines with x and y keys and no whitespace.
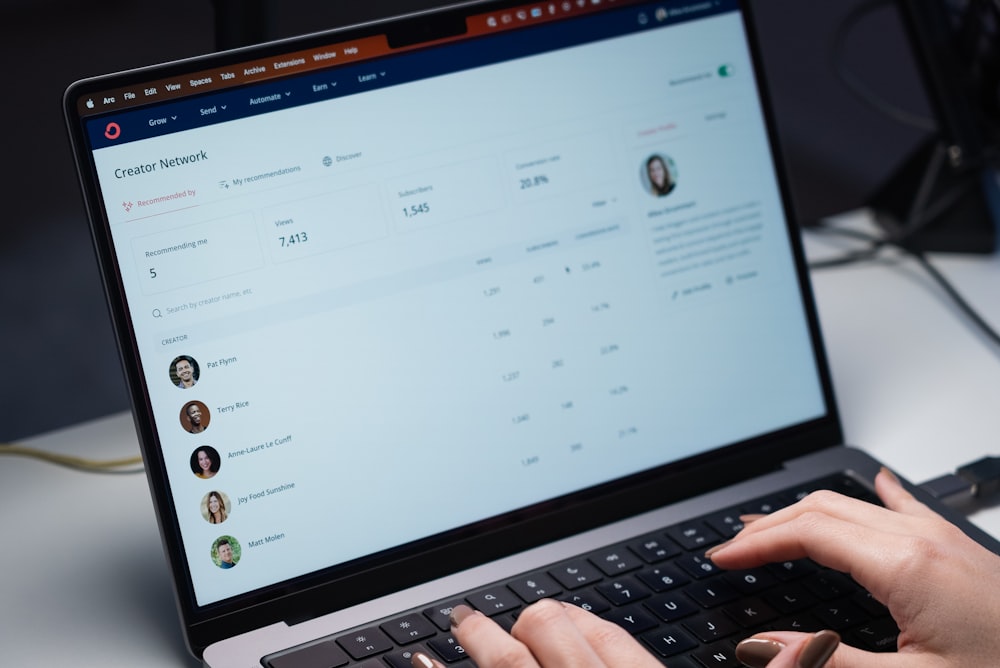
{"x":60,"y":362}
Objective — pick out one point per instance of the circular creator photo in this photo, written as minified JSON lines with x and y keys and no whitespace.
{"x":215,"y":507}
{"x":226,"y":552}
{"x":184,"y":372}
{"x":205,"y":462}
{"x":659,"y":175}
{"x":195,"y":417}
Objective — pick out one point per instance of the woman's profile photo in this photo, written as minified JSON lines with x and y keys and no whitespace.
{"x":659,"y":175}
{"x":205,"y":462}
{"x":195,"y":417}
{"x":184,"y":372}
{"x":215,"y":507}
{"x":226,"y":552}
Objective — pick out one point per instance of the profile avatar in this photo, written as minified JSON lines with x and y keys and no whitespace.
{"x":226,"y":552}
{"x":184,"y":372}
{"x":205,"y":462}
{"x":215,"y":507}
{"x":195,"y":417}
{"x":659,"y":175}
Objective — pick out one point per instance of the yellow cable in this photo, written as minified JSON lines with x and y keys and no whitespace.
{"x":79,"y":463}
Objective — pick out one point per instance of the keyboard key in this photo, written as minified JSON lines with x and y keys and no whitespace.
{"x":403,"y":658}
{"x":792,"y":570}
{"x":493,"y":601}
{"x":324,"y":654}
{"x":614,"y":562}
{"x":719,"y":655}
{"x":751,"y":613}
{"x":694,"y":535}
{"x":802,"y":622}
{"x":711,"y":593}
{"x":669,"y":642}
{"x":623,"y":590}
{"x":576,"y":574}
{"x":410,"y":628}
{"x":840,"y":615}
{"x":506,"y":621}
{"x":683,"y":662}
{"x":662,"y":578}
{"x":790,"y":598}
{"x":671,"y":607}
{"x":751,"y":581}
{"x":654,"y":549}
{"x":766,"y":506}
{"x":440,"y":615}
{"x":535,"y":587}
{"x":726,"y":523}
{"x":364,"y":643}
{"x":697,"y":566}
{"x":711,"y":626}
{"x":880,"y":635}
{"x":850,"y":487}
{"x":447,"y":648}
{"x":588,"y":601}
{"x":632,"y":619}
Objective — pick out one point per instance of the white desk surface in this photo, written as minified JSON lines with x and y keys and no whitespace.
{"x":83,"y":580}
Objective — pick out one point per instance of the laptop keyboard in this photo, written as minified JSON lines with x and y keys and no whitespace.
{"x":659,"y":587}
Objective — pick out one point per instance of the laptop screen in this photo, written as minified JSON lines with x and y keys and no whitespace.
{"x":546,"y":255}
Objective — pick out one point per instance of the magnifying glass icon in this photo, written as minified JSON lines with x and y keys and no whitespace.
{"x":157,"y":313}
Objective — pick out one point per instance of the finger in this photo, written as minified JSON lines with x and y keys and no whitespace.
{"x":613,"y":644}
{"x":421,"y":660}
{"x":487,"y":643}
{"x":840,"y":507}
{"x":549,"y":633}
{"x":896,"y":498}
{"x":764,"y":649}
{"x":869,"y":555}
{"x":814,"y":653}
{"x":765,"y":652}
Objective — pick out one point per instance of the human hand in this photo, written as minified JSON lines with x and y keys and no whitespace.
{"x":940,"y":585}
{"x":547,"y":634}
{"x":551,"y":634}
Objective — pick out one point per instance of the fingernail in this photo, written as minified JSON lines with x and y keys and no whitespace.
{"x":459,"y":614}
{"x":891,"y":476}
{"x":715,"y":548}
{"x":421,"y":660}
{"x":752,"y":517}
{"x":758,"y":652}
{"x":819,"y":649}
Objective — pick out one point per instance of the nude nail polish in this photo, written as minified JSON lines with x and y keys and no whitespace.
{"x":459,"y":614}
{"x":421,"y":660}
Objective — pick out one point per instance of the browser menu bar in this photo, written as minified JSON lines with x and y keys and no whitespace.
{"x":340,"y":53}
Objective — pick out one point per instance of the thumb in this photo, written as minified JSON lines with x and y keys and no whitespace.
{"x":794,"y":650}
{"x":803,"y":650}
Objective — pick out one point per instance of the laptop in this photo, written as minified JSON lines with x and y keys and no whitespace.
{"x":486,"y":304}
